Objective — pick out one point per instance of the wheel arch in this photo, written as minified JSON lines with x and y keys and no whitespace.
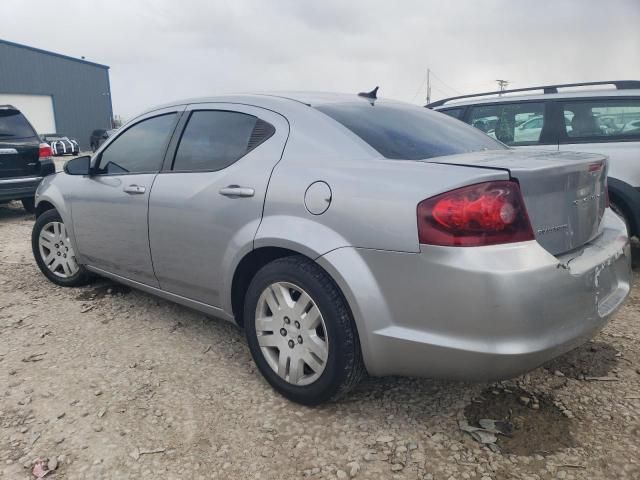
{"x":626,"y":198}
{"x":43,"y":206}
{"x":247,"y":269}
{"x":253,"y":261}
{"x":49,"y":197}
{"x":277,"y":236}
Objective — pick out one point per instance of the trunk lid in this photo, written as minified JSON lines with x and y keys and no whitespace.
{"x":564,"y":192}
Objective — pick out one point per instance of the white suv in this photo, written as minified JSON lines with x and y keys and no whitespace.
{"x":598,"y":117}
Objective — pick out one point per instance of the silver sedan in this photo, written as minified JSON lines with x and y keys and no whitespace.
{"x":346,"y":234}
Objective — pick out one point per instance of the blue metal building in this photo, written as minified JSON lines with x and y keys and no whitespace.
{"x":56,"y":92}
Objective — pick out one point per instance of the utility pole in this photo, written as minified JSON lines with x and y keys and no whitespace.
{"x":428,"y":86}
{"x":503,"y":84}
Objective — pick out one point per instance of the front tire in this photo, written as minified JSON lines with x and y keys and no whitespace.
{"x":54,"y":253}
{"x":301,"y":333}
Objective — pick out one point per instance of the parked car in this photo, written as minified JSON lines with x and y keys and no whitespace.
{"x":106,"y":135}
{"x":61,"y":144}
{"x":596,"y":119}
{"x":24,"y":160}
{"x":95,"y":139}
{"x":345,"y":234}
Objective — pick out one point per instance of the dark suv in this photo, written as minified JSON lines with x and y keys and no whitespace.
{"x":24,"y":159}
{"x":97,"y":137}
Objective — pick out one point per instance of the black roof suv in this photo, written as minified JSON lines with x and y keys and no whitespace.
{"x":24,"y":159}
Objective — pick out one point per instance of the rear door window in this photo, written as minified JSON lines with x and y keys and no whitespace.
{"x":409,"y":133}
{"x":598,"y":120}
{"x":14,"y":125}
{"x":215,"y":139}
{"x":512,"y":123}
{"x":453,"y":112}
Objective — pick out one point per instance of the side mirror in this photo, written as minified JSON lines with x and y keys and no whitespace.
{"x":78,"y":166}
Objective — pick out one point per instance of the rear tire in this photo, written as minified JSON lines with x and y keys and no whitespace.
{"x":325,"y":351}
{"x":29,"y":204}
{"x":54,"y":253}
{"x":618,"y":210}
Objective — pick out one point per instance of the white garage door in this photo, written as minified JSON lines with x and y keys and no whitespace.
{"x":37,"y":108}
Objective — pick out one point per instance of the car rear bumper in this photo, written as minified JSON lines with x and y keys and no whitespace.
{"x":16,"y":188}
{"x":480,"y":313}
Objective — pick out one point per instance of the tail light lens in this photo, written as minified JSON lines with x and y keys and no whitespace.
{"x":45,"y":151}
{"x":481,"y":214}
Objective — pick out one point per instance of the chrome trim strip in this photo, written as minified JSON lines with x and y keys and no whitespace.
{"x":4,"y":181}
{"x":8,"y":151}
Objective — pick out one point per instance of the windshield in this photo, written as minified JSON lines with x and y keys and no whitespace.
{"x":406,"y":132}
{"x":14,"y":125}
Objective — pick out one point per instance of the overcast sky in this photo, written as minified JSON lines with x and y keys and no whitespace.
{"x":161,"y":50}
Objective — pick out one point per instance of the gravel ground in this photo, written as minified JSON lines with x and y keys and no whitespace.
{"x":108,"y":382}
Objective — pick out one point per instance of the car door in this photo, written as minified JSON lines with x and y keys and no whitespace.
{"x":610,"y":126}
{"x":110,"y":206}
{"x":206,"y":204}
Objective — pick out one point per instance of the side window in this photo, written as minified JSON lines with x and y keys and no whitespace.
{"x":140,"y":149}
{"x":511,"y":123}
{"x":599,"y":120}
{"x":215,"y":139}
{"x":453,"y":112}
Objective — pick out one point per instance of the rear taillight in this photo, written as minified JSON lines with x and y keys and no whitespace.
{"x":45,"y":151}
{"x":481,"y":214}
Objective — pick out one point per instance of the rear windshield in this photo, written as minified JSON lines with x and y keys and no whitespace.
{"x":407,"y":132}
{"x":14,"y":125}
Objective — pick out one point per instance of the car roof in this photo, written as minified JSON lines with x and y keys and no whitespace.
{"x":281,"y":102}
{"x":546,"y":96}
{"x":611,"y":88}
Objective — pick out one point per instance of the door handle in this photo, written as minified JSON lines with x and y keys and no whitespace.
{"x":134,"y":189}
{"x":235,"y":191}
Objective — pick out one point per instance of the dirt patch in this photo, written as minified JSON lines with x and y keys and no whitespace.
{"x":539,"y":427}
{"x":593,"y":359}
{"x":97,"y":292}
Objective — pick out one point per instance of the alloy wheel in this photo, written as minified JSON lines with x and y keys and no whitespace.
{"x":56,"y":250}
{"x":291,"y":333}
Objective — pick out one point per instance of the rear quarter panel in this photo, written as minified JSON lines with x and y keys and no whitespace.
{"x":373,"y":199}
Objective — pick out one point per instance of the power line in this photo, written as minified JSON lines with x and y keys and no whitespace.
{"x":427,"y":80}
{"x":445,"y":83}
{"x":442,"y":93}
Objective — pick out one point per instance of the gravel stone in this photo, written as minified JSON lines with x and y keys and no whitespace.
{"x":219,"y":419}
